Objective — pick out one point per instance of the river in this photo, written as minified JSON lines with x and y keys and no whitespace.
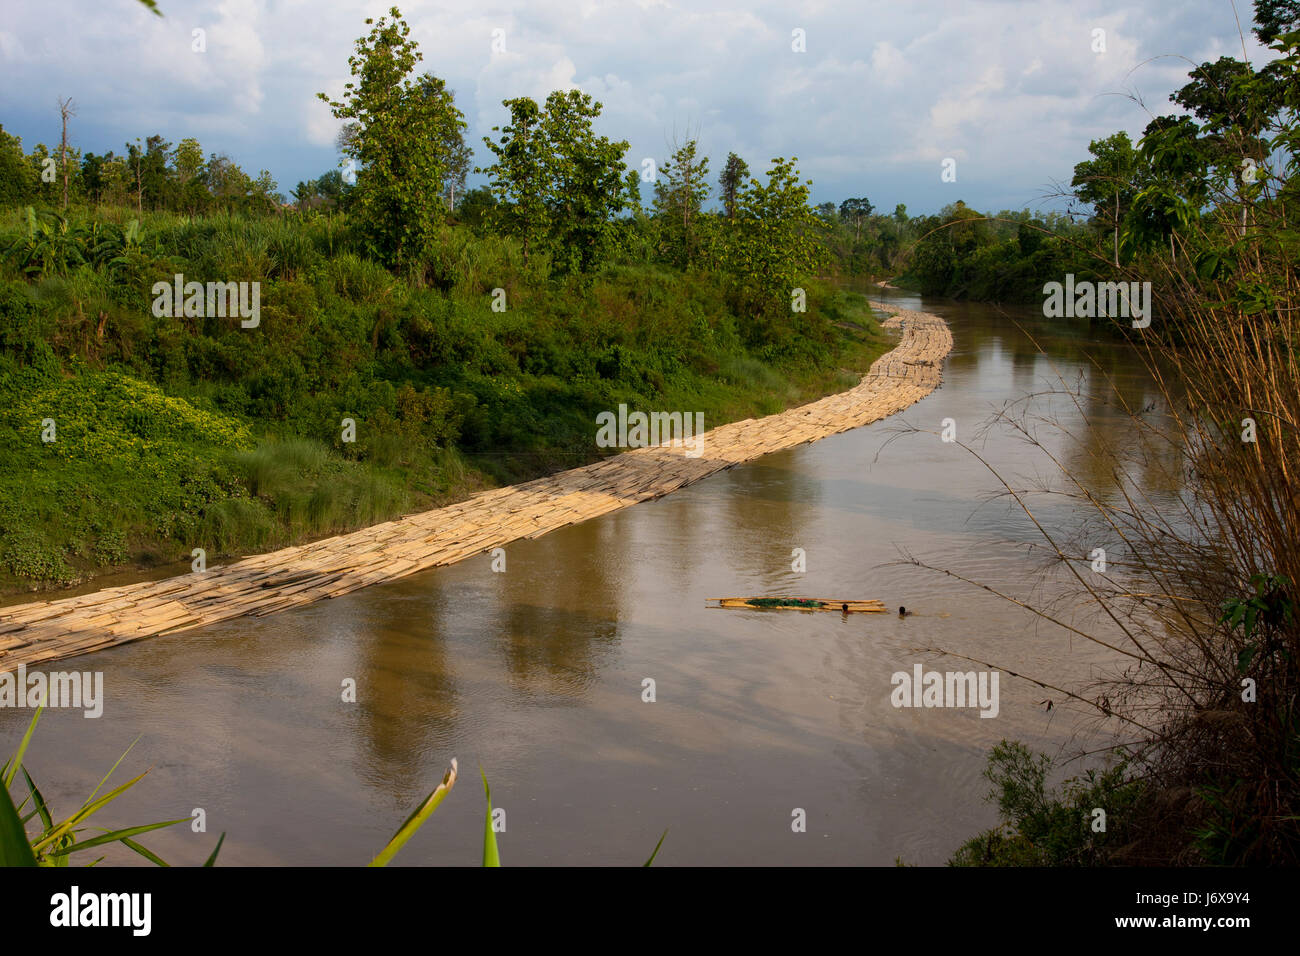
{"x":536,"y":674}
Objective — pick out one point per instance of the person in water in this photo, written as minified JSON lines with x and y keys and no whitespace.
{"x":904,"y":612}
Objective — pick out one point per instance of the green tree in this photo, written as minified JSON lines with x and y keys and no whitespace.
{"x":733,"y":178}
{"x":305,"y":195}
{"x":332,"y":188}
{"x":188,"y":170}
{"x":1106,"y":182}
{"x":519,"y":176}
{"x":475,"y":207}
{"x":134,"y":166}
{"x":114,"y":181}
{"x":560,"y":184}
{"x":586,"y":177}
{"x":91,"y":176}
{"x":460,"y":159}
{"x":263,"y":194}
{"x":855,"y":211}
{"x":1174,"y":185}
{"x":681,"y":189}
{"x":402,"y":131}
{"x":17,"y":177}
{"x":1276,"y":17}
{"x":154,"y":184}
{"x":227,"y":183}
{"x":40,"y":161}
{"x":772,"y":243}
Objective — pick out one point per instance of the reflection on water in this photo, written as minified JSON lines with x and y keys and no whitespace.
{"x":536,"y":674}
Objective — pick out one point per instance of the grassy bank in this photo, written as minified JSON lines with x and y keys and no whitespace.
{"x":135,"y":438}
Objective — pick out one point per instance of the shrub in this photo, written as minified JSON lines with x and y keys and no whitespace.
{"x":1044,"y":828}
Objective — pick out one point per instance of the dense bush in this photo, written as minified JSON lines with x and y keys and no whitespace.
{"x":1082,"y":825}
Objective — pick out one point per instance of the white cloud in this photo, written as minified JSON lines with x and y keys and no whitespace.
{"x":887,"y":63}
{"x":885,"y":91}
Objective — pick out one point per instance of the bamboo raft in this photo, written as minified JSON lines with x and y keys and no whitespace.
{"x":806,"y":604}
{"x":45,"y":631}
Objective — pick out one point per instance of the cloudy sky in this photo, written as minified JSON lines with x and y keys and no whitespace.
{"x":882,"y":93}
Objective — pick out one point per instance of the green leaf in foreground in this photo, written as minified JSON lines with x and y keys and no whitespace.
{"x":417,"y":818}
{"x":14,"y":848}
{"x":39,"y":800}
{"x":113,"y":836}
{"x":12,"y":767}
{"x":148,"y":854}
{"x":656,"y":852}
{"x":490,"y":855}
{"x":212,"y":860}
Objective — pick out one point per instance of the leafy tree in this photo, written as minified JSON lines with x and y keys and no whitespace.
{"x":475,"y":207}
{"x":263,"y":195}
{"x":772,"y":243}
{"x":1106,"y":182}
{"x":134,"y":164}
{"x":91,"y":176}
{"x":227,"y":183}
{"x":323,"y":192}
{"x":1276,"y":17}
{"x":114,"y":180}
{"x":856,"y":210}
{"x":402,"y":139}
{"x":900,"y":214}
{"x":559,"y":183}
{"x":187,"y":160}
{"x":17,"y":178}
{"x":519,"y":176}
{"x":331,"y":186}
{"x":459,"y":160}
{"x":151,"y":176}
{"x":732,"y":180}
{"x":45,"y":191}
{"x":944,"y":258}
{"x":587,"y":186}
{"x":680,"y":190}
{"x":306,"y":195}
{"x":458,"y":166}
{"x":1173,"y":185}
{"x":187,"y":166}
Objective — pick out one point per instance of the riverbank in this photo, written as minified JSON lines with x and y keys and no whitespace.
{"x":264,"y":584}
{"x":363,"y":394}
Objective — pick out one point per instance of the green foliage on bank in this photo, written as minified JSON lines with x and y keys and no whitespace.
{"x":1081,"y":824}
{"x":178,"y":432}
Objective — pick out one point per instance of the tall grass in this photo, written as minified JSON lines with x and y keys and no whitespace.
{"x":300,"y":490}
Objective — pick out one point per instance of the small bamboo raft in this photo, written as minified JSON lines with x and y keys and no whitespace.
{"x":800,"y":604}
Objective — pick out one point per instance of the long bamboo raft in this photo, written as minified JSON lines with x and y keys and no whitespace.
{"x":264,"y":584}
{"x":842,"y":605}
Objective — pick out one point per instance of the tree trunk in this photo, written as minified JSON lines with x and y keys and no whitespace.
{"x":65,"y":110}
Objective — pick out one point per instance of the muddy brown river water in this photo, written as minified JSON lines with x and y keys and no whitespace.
{"x":537,"y":673}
